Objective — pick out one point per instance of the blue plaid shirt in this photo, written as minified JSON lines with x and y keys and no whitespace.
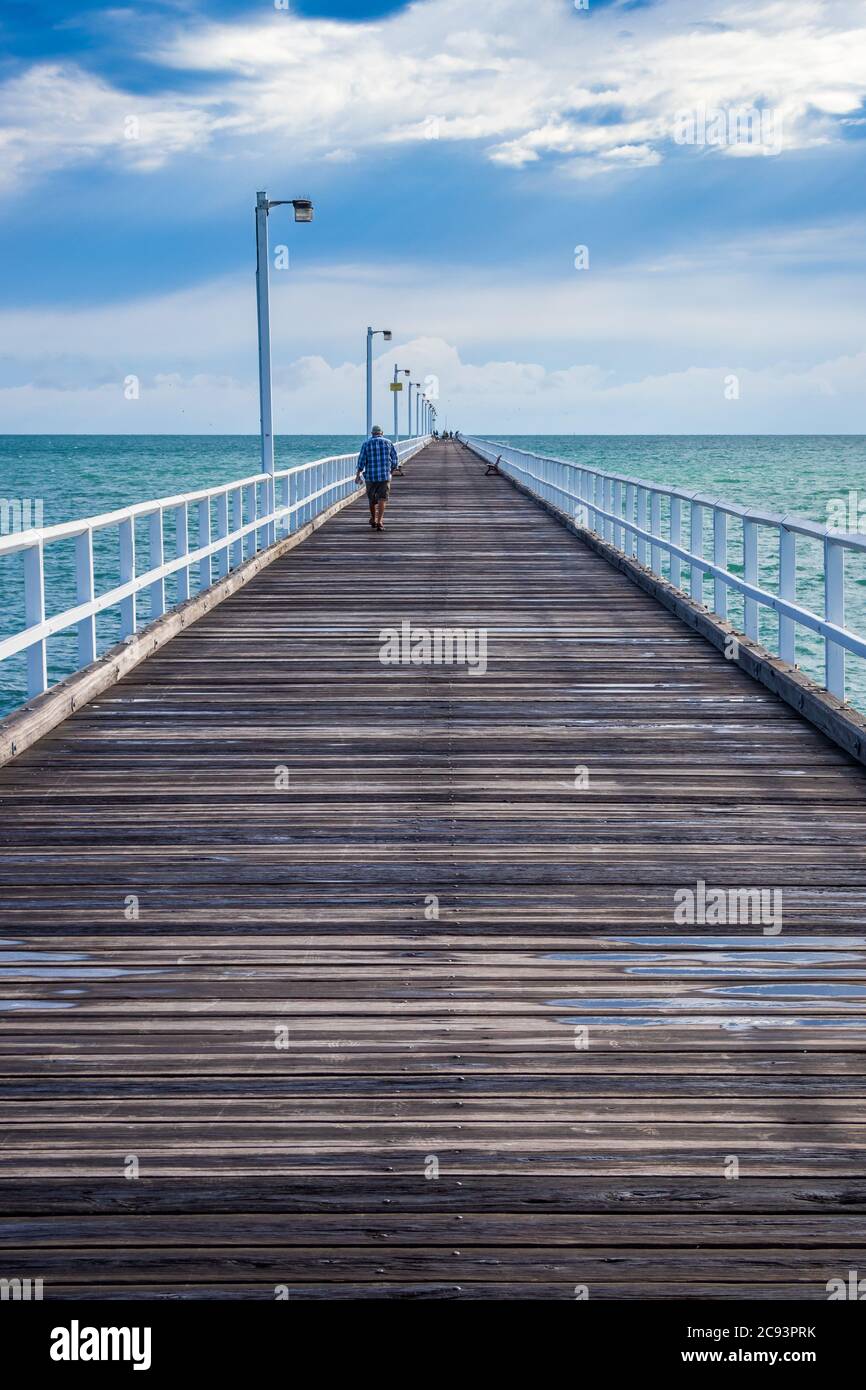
{"x":377,"y":459}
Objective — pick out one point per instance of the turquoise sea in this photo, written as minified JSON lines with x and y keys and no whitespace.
{"x":77,"y":475}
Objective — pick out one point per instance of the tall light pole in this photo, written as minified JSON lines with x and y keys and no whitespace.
{"x":371,"y":334}
{"x":303,"y":213}
{"x":396,"y":388}
{"x":417,"y":406}
{"x":409,"y":421}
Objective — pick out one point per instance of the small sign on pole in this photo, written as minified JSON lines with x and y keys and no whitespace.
{"x":396,"y":385}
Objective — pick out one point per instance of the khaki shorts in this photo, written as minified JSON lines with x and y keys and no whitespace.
{"x":379,"y":492}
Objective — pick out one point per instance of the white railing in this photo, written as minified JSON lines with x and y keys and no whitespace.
{"x":275,"y":505}
{"x":646,"y":521}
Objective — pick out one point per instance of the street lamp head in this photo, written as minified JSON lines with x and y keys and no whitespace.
{"x":387,"y":334}
{"x":303,"y":207}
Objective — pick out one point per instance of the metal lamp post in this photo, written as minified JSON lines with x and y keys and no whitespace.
{"x":303,"y":213}
{"x":396,"y":388}
{"x":417,"y":407}
{"x":371,"y":334}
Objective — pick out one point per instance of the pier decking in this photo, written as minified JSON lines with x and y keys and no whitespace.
{"x":328,"y":978}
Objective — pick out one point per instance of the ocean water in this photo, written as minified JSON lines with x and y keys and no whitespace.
{"x":76,"y":475}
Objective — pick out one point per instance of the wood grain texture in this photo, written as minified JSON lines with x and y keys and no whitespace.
{"x":286,"y":1042}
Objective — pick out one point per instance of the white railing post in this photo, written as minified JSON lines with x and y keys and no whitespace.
{"x":293,"y":500}
{"x":834,"y":612}
{"x":222,"y":555}
{"x":750,"y":574}
{"x":720,"y":559}
{"x":676,"y":534}
{"x":630,"y":500}
{"x":617,"y":509}
{"x":181,"y":530}
{"x":265,"y":534}
{"x":127,"y":574}
{"x":656,"y":529}
{"x":157,"y":560}
{"x":270,"y":508}
{"x":84,"y":592}
{"x":641,"y":521}
{"x":204,"y":538}
{"x":34,"y":613}
{"x":235,"y":551}
{"x":696,"y":547}
{"x":284,"y":502}
{"x":252,"y":515}
{"x":787,"y":590}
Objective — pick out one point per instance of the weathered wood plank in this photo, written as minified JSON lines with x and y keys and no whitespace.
{"x":451,"y":1034}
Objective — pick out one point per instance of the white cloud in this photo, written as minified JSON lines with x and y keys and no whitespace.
{"x":704,"y":304}
{"x":537,"y":81}
{"x":315,"y":395}
{"x":52,"y":116}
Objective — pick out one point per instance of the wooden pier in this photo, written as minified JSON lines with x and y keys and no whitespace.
{"x":328,"y":978}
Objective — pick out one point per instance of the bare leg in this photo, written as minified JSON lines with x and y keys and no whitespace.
{"x":380,"y":512}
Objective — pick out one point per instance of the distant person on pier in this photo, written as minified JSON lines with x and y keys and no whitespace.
{"x":376,"y":462}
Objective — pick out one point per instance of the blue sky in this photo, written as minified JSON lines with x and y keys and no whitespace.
{"x":457,"y":155}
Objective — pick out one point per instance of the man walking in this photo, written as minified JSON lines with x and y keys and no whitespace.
{"x":376,"y":462}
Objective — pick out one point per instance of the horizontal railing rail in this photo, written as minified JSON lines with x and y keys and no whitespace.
{"x":276,"y":505}
{"x":645,"y":521}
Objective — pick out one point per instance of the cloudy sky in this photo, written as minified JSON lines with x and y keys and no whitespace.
{"x":707,"y":160}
